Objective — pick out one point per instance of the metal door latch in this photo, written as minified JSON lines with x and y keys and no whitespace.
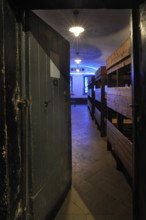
{"x":23,"y":103}
{"x":133,"y":105}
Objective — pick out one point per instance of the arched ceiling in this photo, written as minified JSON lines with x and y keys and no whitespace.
{"x":105,"y":30}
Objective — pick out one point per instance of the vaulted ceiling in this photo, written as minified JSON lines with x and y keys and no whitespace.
{"x":105,"y":30}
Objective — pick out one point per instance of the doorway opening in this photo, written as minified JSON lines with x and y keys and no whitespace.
{"x":93,"y":166}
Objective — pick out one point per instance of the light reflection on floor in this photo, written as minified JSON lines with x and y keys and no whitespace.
{"x":74,"y":208}
{"x":100,"y":191}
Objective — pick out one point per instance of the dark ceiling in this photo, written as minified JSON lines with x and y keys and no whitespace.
{"x":105,"y":30}
{"x":80,"y":4}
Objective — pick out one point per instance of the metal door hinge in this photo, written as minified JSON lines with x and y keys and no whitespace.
{"x":23,"y":103}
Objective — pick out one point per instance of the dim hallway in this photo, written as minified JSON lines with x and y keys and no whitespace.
{"x":99,"y":191}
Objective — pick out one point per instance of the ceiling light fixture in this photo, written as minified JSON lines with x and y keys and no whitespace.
{"x":76,"y":30}
{"x":77,"y":70}
{"x":78,"y":61}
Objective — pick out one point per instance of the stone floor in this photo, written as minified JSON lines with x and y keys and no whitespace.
{"x":99,"y":190}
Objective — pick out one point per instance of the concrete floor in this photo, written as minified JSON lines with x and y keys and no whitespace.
{"x":99,"y":190}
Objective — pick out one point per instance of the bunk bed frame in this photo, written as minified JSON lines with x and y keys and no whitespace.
{"x":119,"y":111}
{"x":91,"y":96}
{"x":100,"y":100}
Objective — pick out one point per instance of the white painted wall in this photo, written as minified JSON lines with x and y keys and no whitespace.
{"x":78,"y":86}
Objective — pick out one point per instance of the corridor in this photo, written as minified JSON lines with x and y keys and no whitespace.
{"x":99,"y":191}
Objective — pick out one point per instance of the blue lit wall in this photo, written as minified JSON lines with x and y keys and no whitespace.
{"x":78,"y":85}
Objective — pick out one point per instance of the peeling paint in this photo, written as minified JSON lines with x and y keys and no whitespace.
{"x":15,"y":98}
{"x":19,"y":211}
{"x":4,"y":200}
{"x":3,"y":70}
{"x":10,"y":149}
{"x":4,"y":153}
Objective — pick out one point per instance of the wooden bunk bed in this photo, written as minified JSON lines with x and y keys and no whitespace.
{"x":90,"y":99}
{"x":100,"y":100}
{"x":119,"y":112}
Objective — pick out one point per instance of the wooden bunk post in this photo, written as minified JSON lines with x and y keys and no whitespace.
{"x":100,"y":100}
{"x":90,"y":101}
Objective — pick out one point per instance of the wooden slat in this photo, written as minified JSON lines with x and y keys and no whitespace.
{"x":97,"y":116}
{"x":123,"y":51}
{"x":119,"y":66}
{"x":122,"y":146}
{"x":119,"y":99}
{"x":89,"y":105}
{"x":125,"y":121}
{"x":90,"y":92}
{"x":98,"y":94}
{"x":100,"y":71}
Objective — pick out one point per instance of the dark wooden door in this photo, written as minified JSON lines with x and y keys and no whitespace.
{"x":49,"y":150}
{"x":139,"y":110}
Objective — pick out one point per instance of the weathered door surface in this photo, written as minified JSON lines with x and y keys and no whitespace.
{"x":139,"y":108}
{"x":35,"y":148}
{"x":35,"y":136}
{"x":49,"y":161}
{"x":10,"y":115}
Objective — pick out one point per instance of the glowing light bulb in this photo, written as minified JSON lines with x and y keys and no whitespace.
{"x":78,"y":61}
{"x":76,"y":30}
